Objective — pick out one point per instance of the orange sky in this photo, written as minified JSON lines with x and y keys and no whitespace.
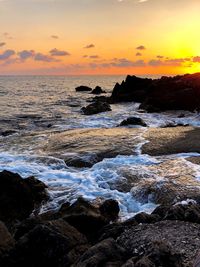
{"x":63,"y":37}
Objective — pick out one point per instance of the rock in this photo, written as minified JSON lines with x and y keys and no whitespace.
{"x":90,"y":217}
{"x":132,"y":89}
{"x":144,"y":218}
{"x":7,"y":132}
{"x":110,"y":209}
{"x":196,"y":262}
{"x":97,"y":90}
{"x":95,"y":108}
{"x":168,"y":125}
{"x":6,"y":240}
{"x":90,"y":146}
{"x":181,"y":92}
{"x":104,"y":252}
{"x":83,"y":88}
{"x":133,"y":121}
{"x":174,"y":93}
{"x":51,"y":245}
{"x":19,"y":197}
{"x":184,"y":238}
{"x":182,"y":212}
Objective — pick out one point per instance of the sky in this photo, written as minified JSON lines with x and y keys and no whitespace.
{"x":90,"y":37}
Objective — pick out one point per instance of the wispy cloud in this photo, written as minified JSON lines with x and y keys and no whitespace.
{"x":59,"y":53}
{"x":89,"y":46}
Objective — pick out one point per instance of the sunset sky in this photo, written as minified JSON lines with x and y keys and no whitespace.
{"x":63,"y":37}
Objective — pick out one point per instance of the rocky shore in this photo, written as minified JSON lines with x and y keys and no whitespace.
{"x":89,"y":233}
{"x":84,"y":233}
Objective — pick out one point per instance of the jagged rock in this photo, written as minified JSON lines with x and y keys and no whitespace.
{"x":6,"y":240}
{"x":110,"y":209}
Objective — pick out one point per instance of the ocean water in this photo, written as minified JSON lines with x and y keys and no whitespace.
{"x":35,"y":107}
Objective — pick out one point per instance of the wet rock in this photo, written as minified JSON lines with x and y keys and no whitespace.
{"x":85,"y":217}
{"x":7,"y":132}
{"x":96,"y":107}
{"x":101,"y":254}
{"x":133,"y":121}
{"x":44,"y":245}
{"x":18,"y":197}
{"x":6,"y":240}
{"x":110,"y":209}
{"x":145,"y":218}
{"x":83,"y":88}
{"x":183,"y":237}
{"x":168,"y":125}
{"x":90,"y":146}
{"x":97,"y":90}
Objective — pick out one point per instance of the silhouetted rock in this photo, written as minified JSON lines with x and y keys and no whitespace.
{"x":83,"y":88}
{"x":132,"y":89}
{"x":166,"y":93}
{"x":97,"y":90}
{"x":104,"y":252}
{"x":18,"y":197}
{"x":95,"y":108}
{"x":133,"y":121}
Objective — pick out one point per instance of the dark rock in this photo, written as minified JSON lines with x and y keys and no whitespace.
{"x":6,"y":240}
{"x":132,"y":89}
{"x":101,"y":254}
{"x":19,"y":197}
{"x":97,"y":90}
{"x":95,"y":108}
{"x":7,"y":132}
{"x":83,"y":88}
{"x":110,"y":209}
{"x":175,"y":125}
{"x":133,"y":121}
{"x":196,"y":262}
{"x":44,"y":245}
{"x":187,"y":213}
{"x":152,"y":241}
{"x":146,"y":218}
{"x":167,"y":93}
{"x":90,"y":217}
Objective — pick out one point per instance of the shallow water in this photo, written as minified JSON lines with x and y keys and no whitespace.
{"x":36,"y":107}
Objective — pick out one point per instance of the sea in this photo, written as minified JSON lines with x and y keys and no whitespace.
{"x":33,"y":108}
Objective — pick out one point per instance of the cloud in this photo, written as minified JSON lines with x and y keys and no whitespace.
{"x":160,"y":57}
{"x":54,"y":36}
{"x":7,"y":35}
{"x":138,"y":54}
{"x":173,"y":62}
{"x":84,"y":56}
{"x":196,"y":59}
{"x":44,"y":58}
{"x":141,"y":47}
{"x":25,"y":54}
{"x":2,"y":44}
{"x":7,"y":54}
{"x":94,"y":56}
{"x":89,"y":46}
{"x":58,"y":53}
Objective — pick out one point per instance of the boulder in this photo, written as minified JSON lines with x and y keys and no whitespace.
{"x":97,"y":90}
{"x":101,"y":254}
{"x":19,"y":197}
{"x":6,"y":240}
{"x":83,"y":88}
{"x":110,"y":209}
{"x":53,"y":244}
{"x":95,"y":108}
{"x":133,"y":121}
{"x":85,"y":217}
